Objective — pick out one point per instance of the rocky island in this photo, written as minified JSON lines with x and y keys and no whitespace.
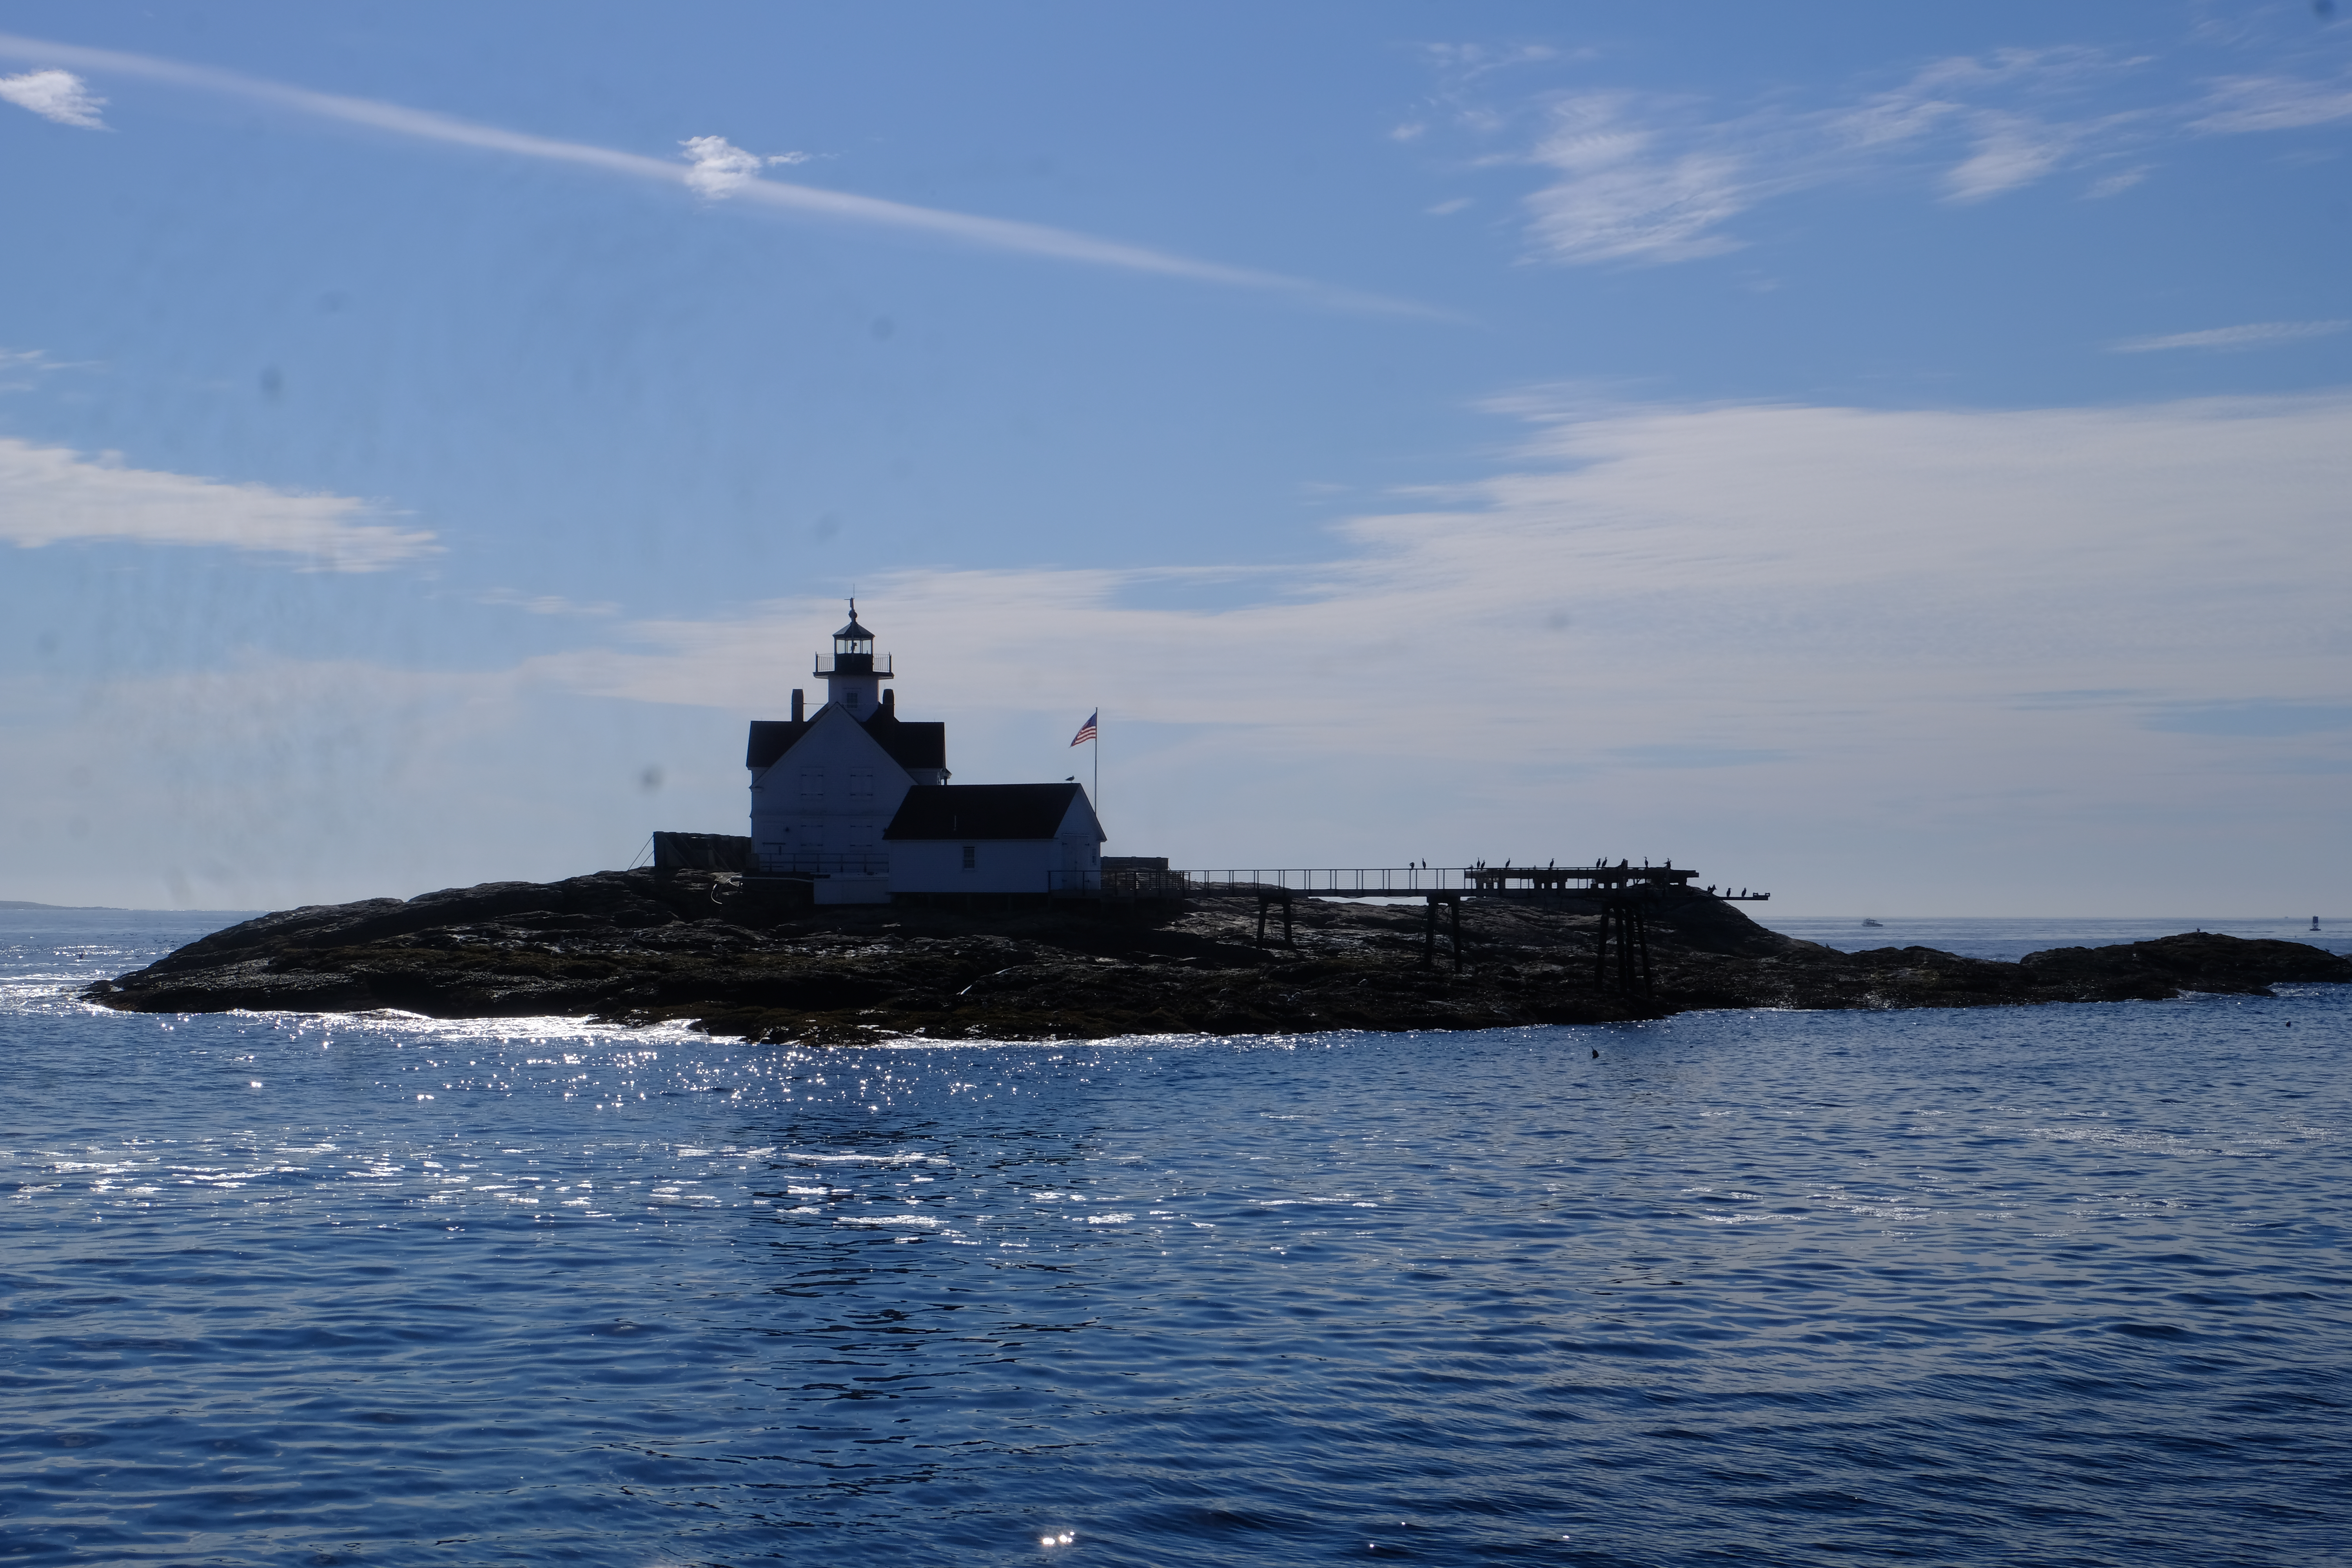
{"x":642,"y":947}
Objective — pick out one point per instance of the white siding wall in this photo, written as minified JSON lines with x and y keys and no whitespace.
{"x":1081,"y":836}
{"x":1000,"y":864}
{"x":830,"y":795}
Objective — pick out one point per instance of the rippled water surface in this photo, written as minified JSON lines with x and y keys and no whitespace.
{"x":2052,"y":1286}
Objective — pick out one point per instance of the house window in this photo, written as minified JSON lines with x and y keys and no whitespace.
{"x":861,"y":784}
{"x":861,"y":835}
{"x":812,"y":781}
{"x":971,"y":856}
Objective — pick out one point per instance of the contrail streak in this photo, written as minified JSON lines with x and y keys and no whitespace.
{"x":806,"y":201}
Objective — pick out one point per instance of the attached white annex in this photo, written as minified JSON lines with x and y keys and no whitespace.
{"x":857,"y":800}
{"x":993,"y":838}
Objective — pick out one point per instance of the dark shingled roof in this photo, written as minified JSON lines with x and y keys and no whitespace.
{"x":982,"y":811}
{"x":911,"y":746}
{"x":771,"y":739}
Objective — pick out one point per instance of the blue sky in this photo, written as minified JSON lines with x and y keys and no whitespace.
{"x":1896,"y":455}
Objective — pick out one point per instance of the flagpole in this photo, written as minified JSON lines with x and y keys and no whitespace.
{"x":1098,"y":767}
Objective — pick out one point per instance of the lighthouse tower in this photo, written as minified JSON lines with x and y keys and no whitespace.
{"x":852,"y":680}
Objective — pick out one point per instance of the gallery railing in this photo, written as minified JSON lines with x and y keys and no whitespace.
{"x":854,"y":664}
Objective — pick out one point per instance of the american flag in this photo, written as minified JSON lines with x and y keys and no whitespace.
{"x":1086,"y":730}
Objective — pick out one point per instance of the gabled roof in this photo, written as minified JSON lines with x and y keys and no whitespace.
{"x":911,"y":746}
{"x":982,"y":811}
{"x":771,"y":739}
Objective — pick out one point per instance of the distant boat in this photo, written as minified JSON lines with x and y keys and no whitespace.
{"x":2314,"y":923}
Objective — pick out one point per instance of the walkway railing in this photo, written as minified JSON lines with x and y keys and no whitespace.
{"x":1412,"y":881}
{"x":1323,"y":881}
{"x":1116,"y":884}
{"x":876,"y":864}
{"x":1367,"y":881}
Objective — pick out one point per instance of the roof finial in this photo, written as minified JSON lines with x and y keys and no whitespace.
{"x":852,"y":606}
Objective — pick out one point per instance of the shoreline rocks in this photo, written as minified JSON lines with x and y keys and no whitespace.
{"x":642,"y":947}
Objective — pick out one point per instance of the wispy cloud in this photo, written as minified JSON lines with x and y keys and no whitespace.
{"x":720,"y":173}
{"x":55,"y":95}
{"x":2251,"y":717}
{"x":1651,"y":178}
{"x":1654,"y":177}
{"x":548,"y":604}
{"x":2243,"y":104}
{"x":1622,"y":194}
{"x":2010,"y":153}
{"x":2252,"y":335}
{"x":1463,"y":61}
{"x":51,"y":495}
{"x":21,"y":368}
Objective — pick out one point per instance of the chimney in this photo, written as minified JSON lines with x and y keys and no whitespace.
{"x":890,"y":703}
{"x":798,"y":707}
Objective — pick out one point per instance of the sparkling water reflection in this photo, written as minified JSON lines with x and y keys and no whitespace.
{"x":2060,"y":1285}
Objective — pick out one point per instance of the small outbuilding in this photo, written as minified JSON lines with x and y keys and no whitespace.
{"x":992,"y":838}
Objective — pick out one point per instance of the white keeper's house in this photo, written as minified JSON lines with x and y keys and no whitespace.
{"x":857,"y":800}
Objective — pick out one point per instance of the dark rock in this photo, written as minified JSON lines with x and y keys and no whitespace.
{"x":2193,"y":961}
{"x":642,"y":947}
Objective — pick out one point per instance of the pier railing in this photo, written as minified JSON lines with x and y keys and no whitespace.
{"x":1116,"y":884}
{"x":1415,"y":881}
{"x":1320,"y":881}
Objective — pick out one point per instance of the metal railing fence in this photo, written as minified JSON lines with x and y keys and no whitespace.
{"x":1407,"y":882}
{"x":851,"y":865}
{"x":1117,"y":884}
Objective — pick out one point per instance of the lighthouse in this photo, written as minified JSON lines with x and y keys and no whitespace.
{"x":852,"y":681}
{"x":825,"y":784}
{"x":856,"y":801}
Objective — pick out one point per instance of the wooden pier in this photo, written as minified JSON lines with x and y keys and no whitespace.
{"x":1624,"y":892}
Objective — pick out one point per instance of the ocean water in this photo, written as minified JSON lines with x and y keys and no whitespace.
{"x":2054,"y":1286}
